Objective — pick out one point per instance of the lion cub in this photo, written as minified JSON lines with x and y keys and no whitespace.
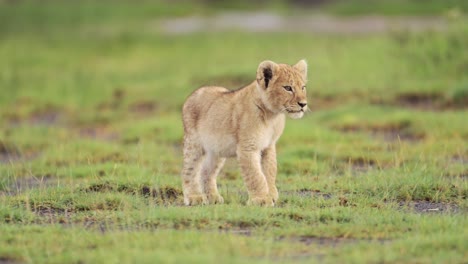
{"x":245,"y":123}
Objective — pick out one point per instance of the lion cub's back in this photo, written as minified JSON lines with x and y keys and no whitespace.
{"x":199,"y":103}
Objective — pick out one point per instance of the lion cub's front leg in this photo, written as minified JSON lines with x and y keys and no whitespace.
{"x":250,"y":164}
{"x":269,"y":168}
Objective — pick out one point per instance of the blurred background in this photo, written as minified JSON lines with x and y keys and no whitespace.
{"x":104,"y":81}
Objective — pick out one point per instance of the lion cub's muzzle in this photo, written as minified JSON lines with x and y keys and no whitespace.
{"x":300,"y":107}
{"x":297,"y":111}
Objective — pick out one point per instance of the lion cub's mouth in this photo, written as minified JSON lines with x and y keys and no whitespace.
{"x":293,"y":112}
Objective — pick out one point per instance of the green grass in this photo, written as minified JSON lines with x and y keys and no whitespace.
{"x":91,"y":132}
{"x":397,"y":7}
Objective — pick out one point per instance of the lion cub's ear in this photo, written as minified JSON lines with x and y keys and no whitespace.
{"x":301,"y":66}
{"x":266,"y":71}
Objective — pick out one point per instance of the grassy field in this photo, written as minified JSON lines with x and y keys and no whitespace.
{"x":91,"y":133}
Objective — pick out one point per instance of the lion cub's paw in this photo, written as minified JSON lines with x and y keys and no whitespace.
{"x":274,"y":194}
{"x":262,"y":201}
{"x":215,"y":199}
{"x":195,"y":200}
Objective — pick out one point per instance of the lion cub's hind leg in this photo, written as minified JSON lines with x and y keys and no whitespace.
{"x":193,"y":156}
{"x":209,"y":171}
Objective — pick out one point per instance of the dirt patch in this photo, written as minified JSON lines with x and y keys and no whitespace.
{"x":115,"y":101}
{"x":114,"y":157}
{"x":430,"y":207}
{"x":53,"y":215}
{"x":66,"y":218}
{"x":48,"y":211}
{"x":462,"y":175}
{"x":27,"y":183}
{"x":229,"y":81}
{"x":458,"y":158}
{"x":98,"y":132}
{"x":326,"y":241}
{"x":100,"y":187}
{"x":296,"y":217}
{"x":130,"y":141}
{"x":427,"y":101}
{"x":164,"y":194}
{"x":311,"y":193}
{"x":361,"y":164}
{"x":8,"y":152}
{"x":236,"y":231}
{"x":143,"y":108}
{"x":399,"y":131}
{"x":45,"y":116}
{"x":10,"y":260}
{"x":324,"y":103}
{"x":356,"y":166}
{"x":243,"y":224}
{"x":420,"y":101}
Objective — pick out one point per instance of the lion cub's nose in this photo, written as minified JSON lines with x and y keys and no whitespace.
{"x":302,"y":105}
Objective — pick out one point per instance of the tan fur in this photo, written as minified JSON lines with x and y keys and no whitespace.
{"x":246,"y":124}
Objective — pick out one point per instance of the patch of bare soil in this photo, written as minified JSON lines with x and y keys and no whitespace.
{"x":317,"y":23}
{"x":26,"y":183}
{"x":143,"y":108}
{"x":430,"y":207}
{"x":326,"y":242}
{"x":114,"y":157}
{"x":390,"y":132}
{"x":48,"y":117}
{"x":53,"y":215}
{"x":333,"y":241}
{"x":426,"y":102}
{"x":356,"y":166}
{"x":361,"y":164}
{"x":11,"y":153}
{"x":98,"y":132}
{"x":45,"y":116}
{"x":164,"y":194}
{"x":312,"y":193}
{"x":228,"y":81}
{"x":324,"y":103}
{"x":420,"y":101}
{"x":459,"y":158}
{"x":236,"y":231}
{"x":9,"y":260}
{"x":66,"y":218}
{"x":114,"y":102}
{"x":8,"y":152}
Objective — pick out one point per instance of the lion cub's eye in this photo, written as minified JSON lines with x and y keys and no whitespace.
{"x":288,"y":88}
{"x":303,"y":88}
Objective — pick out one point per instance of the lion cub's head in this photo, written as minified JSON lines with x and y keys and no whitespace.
{"x":283,"y":87}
